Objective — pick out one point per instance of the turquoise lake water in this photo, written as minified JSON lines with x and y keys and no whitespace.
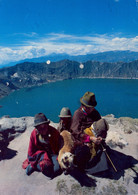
{"x":114,"y":96}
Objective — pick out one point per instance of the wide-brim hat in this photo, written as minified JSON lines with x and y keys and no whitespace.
{"x":88,"y":99}
{"x":39,"y":119}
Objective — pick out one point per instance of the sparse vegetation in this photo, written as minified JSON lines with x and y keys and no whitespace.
{"x":75,"y":189}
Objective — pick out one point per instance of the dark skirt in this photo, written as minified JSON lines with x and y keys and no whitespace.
{"x":84,"y":162}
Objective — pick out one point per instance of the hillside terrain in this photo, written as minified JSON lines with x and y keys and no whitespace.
{"x":29,"y":74}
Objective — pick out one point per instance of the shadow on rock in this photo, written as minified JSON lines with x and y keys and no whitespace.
{"x":120,"y":161}
{"x":7,"y":153}
{"x":5,"y":138}
{"x":82,"y":178}
{"x":135,"y":178}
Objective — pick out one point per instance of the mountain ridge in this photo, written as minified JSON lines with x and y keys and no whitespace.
{"x":30,"y":74}
{"x":108,"y":56}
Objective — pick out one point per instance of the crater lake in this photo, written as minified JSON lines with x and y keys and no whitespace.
{"x":114,"y":96}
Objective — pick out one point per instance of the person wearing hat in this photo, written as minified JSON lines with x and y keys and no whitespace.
{"x":65,"y":119}
{"x":43,"y":148}
{"x":83,"y":118}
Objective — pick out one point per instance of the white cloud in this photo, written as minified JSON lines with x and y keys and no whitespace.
{"x":70,"y":44}
{"x":32,"y":34}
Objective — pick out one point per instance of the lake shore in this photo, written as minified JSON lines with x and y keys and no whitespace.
{"x":112,"y":96}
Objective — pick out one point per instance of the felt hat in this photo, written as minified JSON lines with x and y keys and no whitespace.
{"x":39,"y":119}
{"x":65,"y":112}
{"x":88,"y":99}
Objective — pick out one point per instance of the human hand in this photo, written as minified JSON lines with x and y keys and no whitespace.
{"x":96,"y":140}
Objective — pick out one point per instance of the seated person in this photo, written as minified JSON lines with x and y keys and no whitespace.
{"x":95,"y":161}
{"x":43,"y":148}
{"x":83,"y":118}
{"x":65,"y":119}
{"x":97,"y":130}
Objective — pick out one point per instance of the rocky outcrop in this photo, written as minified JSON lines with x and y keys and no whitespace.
{"x":9,"y":129}
{"x":123,"y":153}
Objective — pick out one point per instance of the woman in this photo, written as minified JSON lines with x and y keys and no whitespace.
{"x":43,"y":148}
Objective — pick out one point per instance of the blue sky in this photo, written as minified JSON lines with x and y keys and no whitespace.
{"x":34,"y":28}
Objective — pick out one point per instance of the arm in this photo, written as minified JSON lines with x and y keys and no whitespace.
{"x":34,"y":150}
{"x":55,"y":140}
{"x":90,"y":137}
{"x":31,"y":148}
{"x":76,"y":125}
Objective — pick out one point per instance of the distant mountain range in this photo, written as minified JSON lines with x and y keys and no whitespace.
{"x":29,"y":74}
{"x":111,"y":56}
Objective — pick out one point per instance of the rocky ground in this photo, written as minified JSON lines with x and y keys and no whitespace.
{"x":122,"y":138}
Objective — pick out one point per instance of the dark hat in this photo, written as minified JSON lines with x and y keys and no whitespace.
{"x":88,"y":99}
{"x":101,"y":126}
{"x":39,"y":119}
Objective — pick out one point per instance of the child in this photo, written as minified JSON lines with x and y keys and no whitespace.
{"x":95,"y":134}
{"x":65,"y":119}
